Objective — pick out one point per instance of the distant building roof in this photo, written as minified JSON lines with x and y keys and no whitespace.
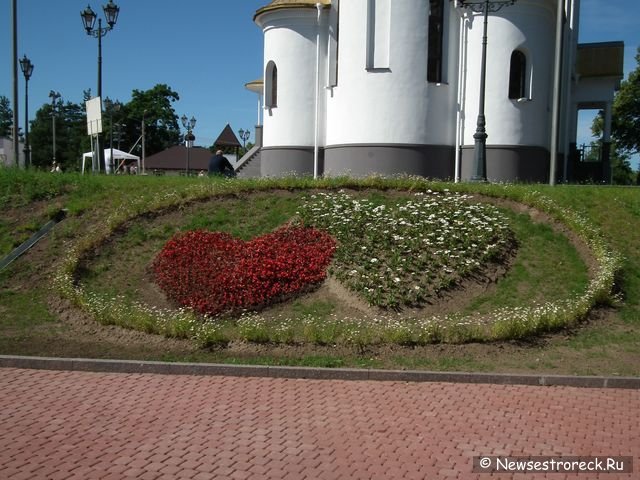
{"x":227,"y":138}
{"x":604,"y":59}
{"x":175,"y":158}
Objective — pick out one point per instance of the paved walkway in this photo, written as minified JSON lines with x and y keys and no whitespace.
{"x":78,"y":425}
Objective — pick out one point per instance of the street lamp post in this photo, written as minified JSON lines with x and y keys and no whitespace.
{"x":189,"y":138}
{"x":56,"y":103}
{"x":27,"y":70}
{"x":480,"y":151}
{"x":244,"y":136}
{"x":14,"y":72}
{"x":111,"y":11}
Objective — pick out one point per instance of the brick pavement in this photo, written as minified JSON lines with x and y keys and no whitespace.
{"x":83,"y":425}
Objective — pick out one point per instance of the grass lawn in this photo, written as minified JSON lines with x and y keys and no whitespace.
{"x":545,"y":267}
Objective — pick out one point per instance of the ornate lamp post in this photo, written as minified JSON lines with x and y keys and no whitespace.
{"x":111,"y":11}
{"x":244,"y":136}
{"x":480,"y":152}
{"x":189,"y":137}
{"x":27,"y":69}
{"x":56,"y":103}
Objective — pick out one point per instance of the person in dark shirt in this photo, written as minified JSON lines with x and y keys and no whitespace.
{"x":220,"y":165}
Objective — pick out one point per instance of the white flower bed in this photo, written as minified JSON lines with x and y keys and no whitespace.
{"x":403,"y":253}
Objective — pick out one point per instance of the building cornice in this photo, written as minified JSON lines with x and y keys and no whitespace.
{"x":287,"y":4}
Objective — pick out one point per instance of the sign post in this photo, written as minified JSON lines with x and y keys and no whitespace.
{"x":94,"y":128}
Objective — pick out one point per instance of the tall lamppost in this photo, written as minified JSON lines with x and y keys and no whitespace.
{"x":27,"y":69}
{"x":56,"y":103}
{"x":244,"y":136}
{"x":111,"y":11}
{"x":189,"y":138}
{"x":14,"y":72}
{"x":480,"y":152}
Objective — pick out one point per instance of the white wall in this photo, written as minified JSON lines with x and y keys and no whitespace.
{"x":290,"y":41}
{"x":394,"y":105}
{"x":530,"y":27}
{"x":397,"y":105}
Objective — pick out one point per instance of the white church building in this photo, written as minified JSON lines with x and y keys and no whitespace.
{"x":360,"y":87}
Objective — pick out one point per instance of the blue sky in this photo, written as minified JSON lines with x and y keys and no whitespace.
{"x":206,"y":50}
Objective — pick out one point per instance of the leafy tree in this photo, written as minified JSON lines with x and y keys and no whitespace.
{"x":161,"y":122}
{"x":71,"y":136}
{"x":6,"y":117}
{"x":621,"y":171}
{"x":625,"y":129}
{"x":72,"y":141}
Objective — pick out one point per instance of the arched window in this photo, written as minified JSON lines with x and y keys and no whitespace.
{"x":271,"y":86}
{"x":436,"y":45}
{"x":518,"y":75}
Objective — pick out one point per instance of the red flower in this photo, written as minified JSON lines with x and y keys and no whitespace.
{"x":213,"y":272}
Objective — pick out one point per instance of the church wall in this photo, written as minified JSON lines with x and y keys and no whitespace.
{"x":510,"y":163}
{"x":528,"y":26}
{"x":290,"y":42}
{"x":433,"y":161}
{"x":388,"y":105}
{"x":382,"y":115}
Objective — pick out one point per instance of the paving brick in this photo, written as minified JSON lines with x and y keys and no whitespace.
{"x":67,"y":425}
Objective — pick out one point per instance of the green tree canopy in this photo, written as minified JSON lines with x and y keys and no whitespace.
{"x":626,"y":112}
{"x":156,"y":107}
{"x":625,"y":126}
{"x":6,"y":117}
{"x":71,"y":136}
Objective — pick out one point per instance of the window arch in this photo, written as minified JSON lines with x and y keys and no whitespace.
{"x":271,"y":85}
{"x":436,"y":43}
{"x":518,"y":75}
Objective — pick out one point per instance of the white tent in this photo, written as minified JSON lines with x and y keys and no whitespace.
{"x":119,"y":158}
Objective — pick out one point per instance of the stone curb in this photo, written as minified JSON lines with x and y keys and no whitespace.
{"x":165,"y":368}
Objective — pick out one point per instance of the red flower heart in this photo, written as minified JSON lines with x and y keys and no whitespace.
{"x":213,"y":272}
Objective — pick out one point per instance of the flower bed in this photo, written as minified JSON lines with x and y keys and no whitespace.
{"x":403,"y":253}
{"x":507,"y":323}
{"x":213,"y":272}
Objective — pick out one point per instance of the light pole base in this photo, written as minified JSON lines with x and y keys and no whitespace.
{"x":480,"y":158}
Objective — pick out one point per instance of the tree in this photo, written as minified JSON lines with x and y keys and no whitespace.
{"x":72,"y":141}
{"x":71,"y":136}
{"x":625,"y":129}
{"x":6,"y":117}
{"x":161,"y":122}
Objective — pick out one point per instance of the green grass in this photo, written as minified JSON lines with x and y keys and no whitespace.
{"x":22,"y":311}
{"x":94,"y":202}
{"x":602,"y":336}
{"x":616,"y":211}
{"x":444,"y":363}
{"x":547,"y":267}
{"x":241,"y":218}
